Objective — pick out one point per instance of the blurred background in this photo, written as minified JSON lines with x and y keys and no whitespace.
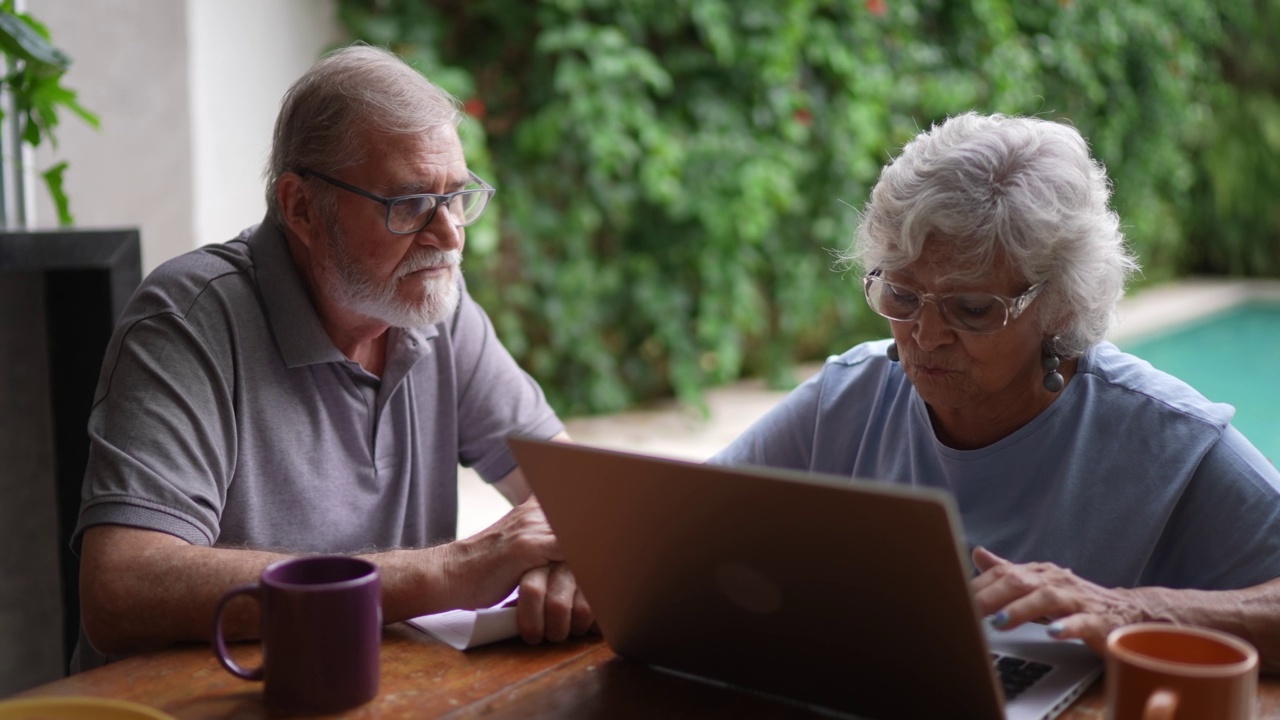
{"x":674,"y":176}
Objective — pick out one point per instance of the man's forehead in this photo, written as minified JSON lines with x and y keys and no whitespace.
{"x":417,"y":161}
{"x":440,"y":143}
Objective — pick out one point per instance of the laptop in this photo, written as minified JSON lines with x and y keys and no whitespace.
{"x":844,"y":596}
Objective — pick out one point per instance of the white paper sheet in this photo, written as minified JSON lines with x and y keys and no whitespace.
{"x":465,"y":629}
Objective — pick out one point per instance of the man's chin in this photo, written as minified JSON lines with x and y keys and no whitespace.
{"x":430,"y":309}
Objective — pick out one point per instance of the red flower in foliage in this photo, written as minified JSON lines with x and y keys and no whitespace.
{"x":803,"y":116}
{"x":475,"y":108}
{"x":877,"y":7}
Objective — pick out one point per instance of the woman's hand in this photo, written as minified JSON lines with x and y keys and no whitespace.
{"x":1076,"y":608}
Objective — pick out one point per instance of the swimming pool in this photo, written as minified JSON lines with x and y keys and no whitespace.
{"x":1230,"y":356}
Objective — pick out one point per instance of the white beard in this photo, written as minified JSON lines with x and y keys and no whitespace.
{"x":359,"y":293}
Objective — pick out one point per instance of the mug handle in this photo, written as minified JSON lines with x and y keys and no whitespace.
{"x":220,"y":644}
{"x":1162,"y":705}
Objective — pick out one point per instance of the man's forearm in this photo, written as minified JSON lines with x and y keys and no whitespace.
{"x":143,"y":589}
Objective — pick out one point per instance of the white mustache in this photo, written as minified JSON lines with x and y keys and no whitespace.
{"x":429,"y":258}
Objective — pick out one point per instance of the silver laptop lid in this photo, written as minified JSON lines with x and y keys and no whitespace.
{"x":848,"y":595}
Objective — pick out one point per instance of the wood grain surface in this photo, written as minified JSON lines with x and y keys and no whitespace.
{"x":424,"y":678}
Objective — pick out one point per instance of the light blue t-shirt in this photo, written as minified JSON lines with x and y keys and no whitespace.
{"x":1130,"y":478}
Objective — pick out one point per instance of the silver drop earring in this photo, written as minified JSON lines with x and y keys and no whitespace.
{"x":1053,"y":380}
{"x":891,"y":352}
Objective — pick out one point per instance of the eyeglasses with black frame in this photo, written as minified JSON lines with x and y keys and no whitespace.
{"x":408,"y":214}
{"x":976,"y":313}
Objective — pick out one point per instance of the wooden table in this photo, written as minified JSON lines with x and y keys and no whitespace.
{"x":423,"y":678}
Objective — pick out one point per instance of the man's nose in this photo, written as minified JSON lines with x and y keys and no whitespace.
{"x":442,"y":232}
{"x":931,"y":329}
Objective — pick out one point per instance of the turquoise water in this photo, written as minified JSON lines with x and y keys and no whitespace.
{"x":1231,"y":357}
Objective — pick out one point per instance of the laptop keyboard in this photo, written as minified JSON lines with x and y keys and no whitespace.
{"x":1016,"y":674}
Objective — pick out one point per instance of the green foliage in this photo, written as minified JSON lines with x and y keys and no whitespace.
{"x":674,"y":174}
{"x":35,"y":82}
{"x":1235,"y":224}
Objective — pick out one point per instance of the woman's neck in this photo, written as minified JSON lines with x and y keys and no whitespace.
{"x":971,"y":429}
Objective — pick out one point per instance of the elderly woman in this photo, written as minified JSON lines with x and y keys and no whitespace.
{"x":1094,"y":489}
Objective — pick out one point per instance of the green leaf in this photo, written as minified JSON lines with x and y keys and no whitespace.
{"x":35,"y":85}
{"x":89,"y":117}
{"x":22,"y":37}
{"x":53,"y":181}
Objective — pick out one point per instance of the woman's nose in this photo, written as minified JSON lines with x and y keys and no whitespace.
{"x":931,"y":329}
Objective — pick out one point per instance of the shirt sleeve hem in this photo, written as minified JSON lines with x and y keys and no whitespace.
{"x":140,"y":514}
{"x":499,"y":464}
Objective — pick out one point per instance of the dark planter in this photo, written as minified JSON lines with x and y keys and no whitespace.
{"x":79,"y":280}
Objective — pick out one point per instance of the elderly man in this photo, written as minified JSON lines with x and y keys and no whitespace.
{"x":312,"y":385}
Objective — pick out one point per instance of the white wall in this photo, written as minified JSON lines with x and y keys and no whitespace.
{"x":187,"y":93}
{"x":130,"y":67}
{"x":239,"y":71}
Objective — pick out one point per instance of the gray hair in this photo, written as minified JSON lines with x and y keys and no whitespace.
{"x":349,"y":91}
{"x":1023,"y":187}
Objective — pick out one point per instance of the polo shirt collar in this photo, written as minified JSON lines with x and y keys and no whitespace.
{"x":301,"y":337}
{"x":294,"y":322}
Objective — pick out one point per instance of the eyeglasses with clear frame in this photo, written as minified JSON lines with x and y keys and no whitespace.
{"x":408,"y":214}
{"x":976,"y":313}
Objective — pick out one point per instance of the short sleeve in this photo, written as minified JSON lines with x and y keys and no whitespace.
{"x":1224,"y":532}
{"x":161,"y":432}
{"x":496,"y":398}
{"x":784,"y":436}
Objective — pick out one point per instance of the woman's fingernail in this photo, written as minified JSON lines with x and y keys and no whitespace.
{"x":1000,"y":619}
{"x":1055,"y":628}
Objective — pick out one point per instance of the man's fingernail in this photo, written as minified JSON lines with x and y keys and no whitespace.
{"x":1055,"y":628}
{"x":1000,"y":619}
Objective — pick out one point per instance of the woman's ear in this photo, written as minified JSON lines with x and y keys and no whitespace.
{"x":1058,"y":320}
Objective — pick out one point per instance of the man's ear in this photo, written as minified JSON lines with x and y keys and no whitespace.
{"x":298,"y":211}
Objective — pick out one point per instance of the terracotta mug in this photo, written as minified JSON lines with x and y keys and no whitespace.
{"x":321,"y":633}
{"x":1158,"y":671}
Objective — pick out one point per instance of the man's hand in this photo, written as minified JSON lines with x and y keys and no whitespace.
{"x":551,"y":606}
{"x":1016,"y":594}
{"x":142,"y":589}
{"x":483,"y":568}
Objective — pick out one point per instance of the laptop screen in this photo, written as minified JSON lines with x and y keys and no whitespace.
{"x":830,"y":592}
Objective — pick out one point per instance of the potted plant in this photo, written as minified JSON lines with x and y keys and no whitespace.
{"x":33,"y":83}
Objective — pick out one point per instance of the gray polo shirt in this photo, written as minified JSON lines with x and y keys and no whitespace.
{"x":225,"y":415}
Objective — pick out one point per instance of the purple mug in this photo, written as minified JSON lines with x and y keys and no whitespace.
{"x":321,"y":633}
